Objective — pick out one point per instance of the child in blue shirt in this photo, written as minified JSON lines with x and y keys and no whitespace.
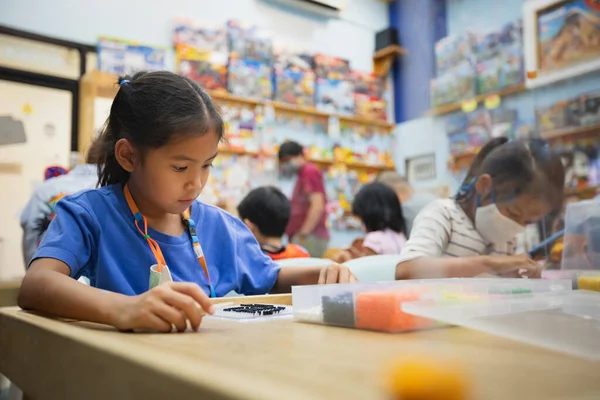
{"x":154,"y":156}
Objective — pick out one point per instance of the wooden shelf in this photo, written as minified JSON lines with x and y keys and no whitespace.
{"x":588,"y":192}
{"x":102,"y":84}
{"x":578,"y":132}
{"x":296,"y":109}
{"x":239,"y":152}
{"x":365,"y":121}
{"x":390,"y":50}
{"x":353,"y":165}
{"x":452,"y":107}
{"x":323,"y":163}
{"x":231,"y":97}
{"x":384,"y":58}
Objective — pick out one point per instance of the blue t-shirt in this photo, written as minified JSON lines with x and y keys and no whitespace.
{"x":94,"y":233}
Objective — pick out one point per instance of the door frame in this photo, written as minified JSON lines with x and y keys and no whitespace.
{"x":50,"y":81}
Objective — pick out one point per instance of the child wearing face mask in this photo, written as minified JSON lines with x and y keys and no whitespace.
{"x":509,"y":185}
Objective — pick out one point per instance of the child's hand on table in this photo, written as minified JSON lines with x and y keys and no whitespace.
{"x":336,"y":273}
{"x":516,"y":266}
{"x":166,"y":305}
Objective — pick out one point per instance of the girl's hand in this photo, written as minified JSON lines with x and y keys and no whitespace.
{"x":342,"y":256}
{"x":335,"y":273}
{"x":510,"y":266}
{"x":173,"y":303}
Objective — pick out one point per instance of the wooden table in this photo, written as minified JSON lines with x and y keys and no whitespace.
{"x":52,"y":359}
{"x":8,"y":293}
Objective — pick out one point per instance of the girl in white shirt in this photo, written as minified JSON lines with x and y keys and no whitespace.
{"x":510,"y":184}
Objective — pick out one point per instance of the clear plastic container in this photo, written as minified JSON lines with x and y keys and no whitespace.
{"x":580,"y":279}
{"x":581,"y":249}
{"x":378,"y":306}
{"x":567,"y":322}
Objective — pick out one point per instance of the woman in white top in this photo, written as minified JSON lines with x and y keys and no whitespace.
{"x":510,"y":184}
{"x":380,"y":212}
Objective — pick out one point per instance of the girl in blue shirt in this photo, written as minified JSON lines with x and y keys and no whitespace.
{"x":154,"y":156}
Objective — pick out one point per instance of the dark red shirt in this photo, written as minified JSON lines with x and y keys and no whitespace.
{"x":310,"y":180}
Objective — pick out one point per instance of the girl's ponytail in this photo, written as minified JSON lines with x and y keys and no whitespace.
{"x":475,"y":168}
{"x":102,"y":153}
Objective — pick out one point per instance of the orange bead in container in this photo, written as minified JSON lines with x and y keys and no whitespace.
{"x":382,"y":311}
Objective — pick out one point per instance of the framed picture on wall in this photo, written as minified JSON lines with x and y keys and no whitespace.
{"x":420,"y":168}
{"x":561,"y":39}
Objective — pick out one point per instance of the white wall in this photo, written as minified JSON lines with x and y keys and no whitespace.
{"x":423,"y":136}
{"x":147,"y":21}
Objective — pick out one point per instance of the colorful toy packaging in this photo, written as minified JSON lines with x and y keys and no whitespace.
{"x":250,"y":78}
{"x":459,"y":142}
{"x":368,"y":95}
{"x":478,"y":128}
{"x":249,"y":42}
{"x":457,"y":84}
{"x":590,"y":109}
{"x":513,"y":68}
{"x":295,"y":86}
{"x":122,"y":57}
{"x":552,"y":119}
{"x":331,"y":67}
{"x":335,"y":96}
{"x":452,"y":51}
{"x":489,"y":78}
{"x":208,"y":69}
{"x":503,"y":123}
{"x":200,"y":36}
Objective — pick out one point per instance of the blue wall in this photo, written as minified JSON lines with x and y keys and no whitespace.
{"x":420,"y":24}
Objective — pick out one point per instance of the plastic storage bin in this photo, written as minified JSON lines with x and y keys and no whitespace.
{"x":378,"y":306}
{"x":580,"y":279}
{"x":581,"y":249}
{"x":567,"y":321}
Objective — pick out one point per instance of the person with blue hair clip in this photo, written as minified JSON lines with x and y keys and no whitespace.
{"x":509,"y":185}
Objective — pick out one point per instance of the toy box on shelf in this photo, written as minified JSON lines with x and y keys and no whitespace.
{"x":249,"y":42}
{"x":294,"y":86}
{"x":452,"y":51}
{"x":499,"y":57}
{"x":123,"y":57}
{"x":581,"y":159}
{"x":208,"y":69}
{"x":478,"y":127}
{"x":489,"y":76}
{"x":233,"y":176}
{"x":456,"y":84}
{"x":590,"y":109}
{"x":335,"y":96}
{"x":243,"y":127}
{"x":331,"y":67}
{"x":250,"y":78}
{"x":200,"y":36}
{"x":343,"y":184}
{"x":560,"y":118}
{"x":368,"y":96}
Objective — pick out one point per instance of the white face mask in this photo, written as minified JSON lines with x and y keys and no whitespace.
{"x":495,"y":227}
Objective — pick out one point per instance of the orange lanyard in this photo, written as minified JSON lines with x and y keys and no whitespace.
{"x":155,"y":248}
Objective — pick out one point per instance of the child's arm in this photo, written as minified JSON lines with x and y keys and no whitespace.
{"x":293,"y":276}
{"x":466,"y":267}
{"x":48,"y":288}
{"x":422,"y":257}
